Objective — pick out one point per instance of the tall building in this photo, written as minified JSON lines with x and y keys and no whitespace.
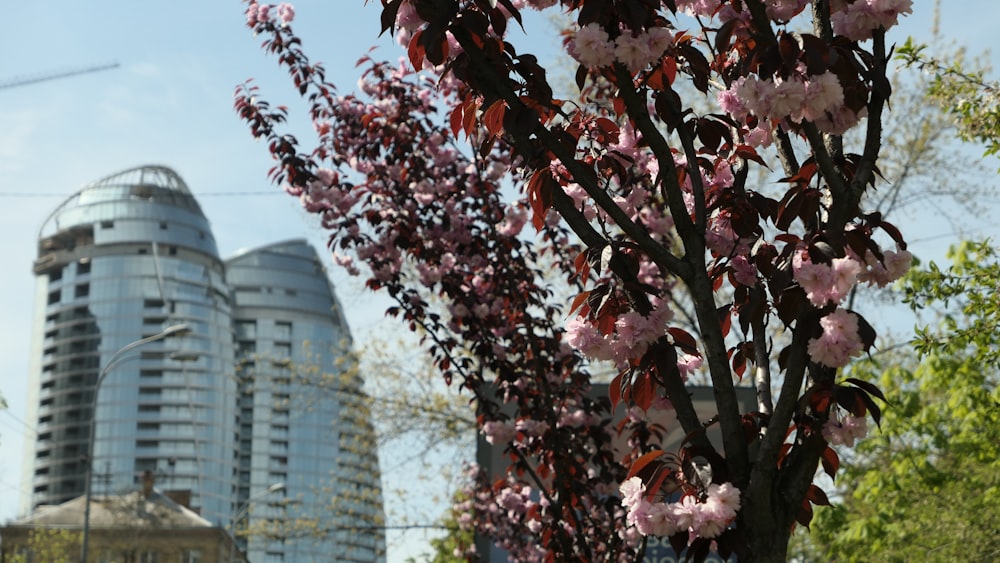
{"x":301,"y":420}
{"x":248,"y":410}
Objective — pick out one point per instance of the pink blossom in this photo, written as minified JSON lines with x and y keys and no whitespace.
{"x":632,"y":490}
{"x":286,"y":13}
{"x":845,"y":432}
{"x":531,"y":427}
{"x":725,"y":495}
{"x":784,"y":10}
{"x":513,"y":222}
{"x":730,"y":101}
{"x":839,"y":342}
{"x":592,"y":46}
{"x":823,"y":94}
{"x":786,"y":99}
{"x":347,"y":262}
{"x":743,"y":271}
{"x":858,"y":20}
{"x":687,"y":363}
{"x":759,"y":136}
{"x":705,"y":8}
{"x":687,"y":512}
{"x":825,"y":283}
{"x":897,"y":263}
{"x":499,"y":433}
{"x":893,"y":266}
{"x":407,"y":17}
{"x":658,"y":40}
{"x":251,"y":13}
{"x":632,"y":51}
{"x":264,"y":13}
{"x":661,"y":520}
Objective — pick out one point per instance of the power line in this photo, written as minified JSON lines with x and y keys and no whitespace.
{"x":21,"y":422}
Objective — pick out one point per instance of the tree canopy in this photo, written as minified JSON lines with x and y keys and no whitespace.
{"x":927,"y":487}
{"x":429,"y":178}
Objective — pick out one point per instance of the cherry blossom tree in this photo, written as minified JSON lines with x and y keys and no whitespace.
{"x":457,"y":174}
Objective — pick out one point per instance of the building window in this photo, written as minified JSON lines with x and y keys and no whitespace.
{"x":54,"y":297}
{"x":282,"y":330}
{"x":282,"y":349}
{"x":82,"y":290}
{"x":246,"y":329}
{"x":191,"y":556}
{"x":163,"y":225}
{"x":55,"y":275}
{"x":83,"y":267}
{"x":149,"y":557}
{"x":246,"y":348}
{"x":107,"y":224}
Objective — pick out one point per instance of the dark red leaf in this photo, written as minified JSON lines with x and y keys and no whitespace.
{"x":831,"y":462}
{"x":643,"y":461}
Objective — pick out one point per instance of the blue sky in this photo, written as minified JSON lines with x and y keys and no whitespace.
{"x":170,"y":102}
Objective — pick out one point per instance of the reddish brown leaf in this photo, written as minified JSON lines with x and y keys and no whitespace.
{"x":493,"y":117}
{"x":643,"y":461}
{"x":831,"y":462}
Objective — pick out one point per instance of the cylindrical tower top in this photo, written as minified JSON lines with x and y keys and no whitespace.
{"x":145,"y":194}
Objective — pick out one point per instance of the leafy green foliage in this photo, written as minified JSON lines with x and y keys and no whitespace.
{"x":47,"y":544}
{"x":927,"y":488}
{"x":971,"y":99}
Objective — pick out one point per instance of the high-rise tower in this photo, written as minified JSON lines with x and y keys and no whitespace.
{"x":257,"y":411}
{"x":124,"y":258}
{"x":302,"y":412}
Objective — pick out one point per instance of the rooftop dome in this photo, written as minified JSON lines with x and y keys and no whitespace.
{"x":151,"y":175}
{"x":150,"y":183}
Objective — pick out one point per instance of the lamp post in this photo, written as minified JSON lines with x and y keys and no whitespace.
{"x":112,"y":362}
{"x":245,"y":508}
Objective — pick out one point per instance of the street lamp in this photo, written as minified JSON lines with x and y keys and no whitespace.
{"x":112,"y":362}
{"x":245,"y":509}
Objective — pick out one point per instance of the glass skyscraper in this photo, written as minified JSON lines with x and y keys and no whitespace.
{"x":308,"y":429}
{"x":214,"y":411}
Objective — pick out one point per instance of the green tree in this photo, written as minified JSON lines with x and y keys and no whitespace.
{"x":47,"y":544}
{"x":927,"y":487}
{"x":961,"y":88}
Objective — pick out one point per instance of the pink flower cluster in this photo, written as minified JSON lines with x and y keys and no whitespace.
{"x":784,"y":10}
{"x":535,"y":4}
{"x":592,"y":46}
{"x":815,"y":98}
{"x":704,"y":8}
{"x":633,"y":334}
{"x":859,"y":19}
{"x":893,"y":266}
{"x":845,"y":432}
{"x":261,"y":13}
{"x":499,"y":433}
{"x":705,"y":518}
{"x":831,"y":283}
{"x":825,"y":283}
{"x":839,"y":342}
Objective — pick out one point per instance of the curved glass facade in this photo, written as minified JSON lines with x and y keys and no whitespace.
{"x":302,"y":413}
{"x":123,"y":259}
{"x":259,"y":393}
